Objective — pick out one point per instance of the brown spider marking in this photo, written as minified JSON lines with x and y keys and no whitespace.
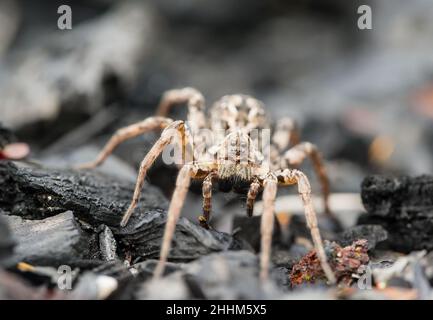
{"x":232,"y":158}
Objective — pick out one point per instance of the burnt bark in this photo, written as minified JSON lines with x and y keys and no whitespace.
{"x":52,"y":241}
{"x":403,"y":206}
{"x":96,"y":199}
{"x":37,"y":193}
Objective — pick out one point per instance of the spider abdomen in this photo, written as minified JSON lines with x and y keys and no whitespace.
{"x":234,"y":184}
{"x":234,"y":176}
{"x":234,"y":170}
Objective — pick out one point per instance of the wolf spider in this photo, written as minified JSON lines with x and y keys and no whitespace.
{"x":232,"y":160}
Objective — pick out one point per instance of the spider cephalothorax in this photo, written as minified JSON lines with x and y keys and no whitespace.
{"x":231,"y":149}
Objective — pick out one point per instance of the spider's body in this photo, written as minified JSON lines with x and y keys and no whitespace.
{"x":237,"y":159}
{"x":234,"y":149}
{"x":229,"y":148}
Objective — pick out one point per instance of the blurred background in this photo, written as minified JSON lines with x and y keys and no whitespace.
{"x":365,"y":97}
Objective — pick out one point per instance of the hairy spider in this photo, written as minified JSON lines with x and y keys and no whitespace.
{"x":232,"y":159}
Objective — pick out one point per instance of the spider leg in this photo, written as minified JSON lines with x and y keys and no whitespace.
{"x":195,"y":102}
{"x":123,"y":134}
{"x":267,"y":224}
{"x":251,"y":196}
{"x":296,"y":155}
{"x":207,"y":198}
{"x":176,"y":204}
{"x":165,"y":139}
{"x":286,"y":133}
{"x":288,"y":177}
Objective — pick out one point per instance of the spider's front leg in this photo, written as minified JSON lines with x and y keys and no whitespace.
{"x":182,"y":185}
{"x":290,"y":177}
{"x":267,"y":224}
{"x":251,"y":196}
{"x":123,"y":134}
{"x":177,"y":127}
{"x":296,"y":155}
{"x":207,"y":198}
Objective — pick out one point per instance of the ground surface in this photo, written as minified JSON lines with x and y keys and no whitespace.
{"x":364,"y":97}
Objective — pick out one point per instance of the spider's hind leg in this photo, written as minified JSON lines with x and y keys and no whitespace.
{"x":296,"y":155}
{"x":267,"y":224}
{"x":289,"y":177}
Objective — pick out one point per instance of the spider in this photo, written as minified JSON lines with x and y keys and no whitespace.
{"x":232,"y":159}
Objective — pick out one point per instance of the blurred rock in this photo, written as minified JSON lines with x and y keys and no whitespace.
{"x":209,"y":13}
{"x":9,"y":22}
{"x":286,"y":258}
{"x":172,"y":287}
{"x":54,"y":240}
{"x":127,"y":278}
{"x":427,"y":263}
{"x":82,"y":133}
{"x":378,"y":76}
{"x":6,"y":242}
{"x":70,"y":71}
{"x":6,"y":136}
{"x":308,"y":293}
{"x":374,"y":234}
{"x":35,"y":193}
{"x":9,"y":147}
{"x":403,"y":206}
{"x":113,"y":166}
{"x":145,"y":268}
{"x":143,"y":237}
{"x":12,"y":287}
{"x":46,"y":275}
{"x":344,"y":176}
{"x":398,"y":23}
{"x":329,"y":227}
{"x":338,"y":139}
{"x":89,"y":286}
{"x":392,"y":293}
{"x":247,"y":229}
{"x":398,"y":197}
{"x":227,"y":275}
{"x":410,"y":269}
{"x":364,"y":98}
{"x":97,"y":199}
{"x":93,"y":287}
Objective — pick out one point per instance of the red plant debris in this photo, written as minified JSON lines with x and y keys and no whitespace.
{"x":344,"y":262}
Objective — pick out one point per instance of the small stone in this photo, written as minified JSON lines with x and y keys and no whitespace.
{"x":107,"y":244}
